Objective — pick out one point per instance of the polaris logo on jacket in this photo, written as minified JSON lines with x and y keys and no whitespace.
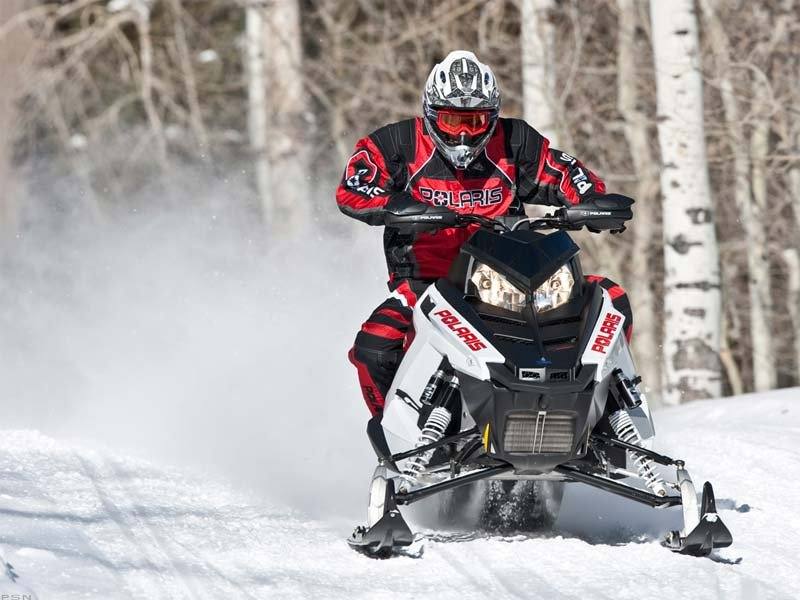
{"x":461,"y":198}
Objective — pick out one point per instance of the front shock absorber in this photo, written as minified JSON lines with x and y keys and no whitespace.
{"x":623,"y":427}
{"x":433,"y":430}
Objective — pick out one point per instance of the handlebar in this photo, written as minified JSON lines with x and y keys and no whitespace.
{"x":547,"y":222}
{"x":608,"y":212}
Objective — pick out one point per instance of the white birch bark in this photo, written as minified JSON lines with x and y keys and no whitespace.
{"x":14,"y":46}
{"x":288,"y":120}
{"x":793,"y":263}
{"x":764,"y":372}
{"x":257,"y":103}
{"x":635,"y":128}
{"x":538,"y":74}
{"x":791,"y":258}
{"x":750,"y":206}
{"x":792,"y":255}
{"x":691,"y":254}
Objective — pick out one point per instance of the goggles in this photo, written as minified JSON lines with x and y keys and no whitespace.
{"x":454,"y":123}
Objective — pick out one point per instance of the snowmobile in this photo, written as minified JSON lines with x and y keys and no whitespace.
{"x":519,"y":369}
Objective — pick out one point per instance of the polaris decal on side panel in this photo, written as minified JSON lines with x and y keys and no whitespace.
{"x":461,"y":330}
{"x":602,"y":344}
{"x":608,"y":328}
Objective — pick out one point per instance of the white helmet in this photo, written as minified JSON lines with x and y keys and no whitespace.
{"x":461,"y":103}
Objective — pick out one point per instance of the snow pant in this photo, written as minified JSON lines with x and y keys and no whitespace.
{"x":381,"y":344}
{"x":386,"y":334}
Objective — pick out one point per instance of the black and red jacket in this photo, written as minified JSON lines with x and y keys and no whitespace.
{"x":516,"y":166}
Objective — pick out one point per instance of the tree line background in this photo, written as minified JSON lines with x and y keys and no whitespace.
{"x":693,"y":108}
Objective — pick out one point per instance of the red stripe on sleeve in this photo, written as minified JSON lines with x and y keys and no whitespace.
{"x":393,"y":314}
{"x":384,"y":331}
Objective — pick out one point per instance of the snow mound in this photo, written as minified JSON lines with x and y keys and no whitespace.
{"x":86,"y":523}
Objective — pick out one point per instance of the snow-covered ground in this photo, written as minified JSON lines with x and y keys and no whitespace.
{"x":80,"y":522}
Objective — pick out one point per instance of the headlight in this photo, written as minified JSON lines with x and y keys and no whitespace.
{"x":555,"y":291}
{"x":495,"y":289}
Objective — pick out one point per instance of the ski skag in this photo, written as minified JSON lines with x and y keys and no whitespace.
{"x":520,"y":371}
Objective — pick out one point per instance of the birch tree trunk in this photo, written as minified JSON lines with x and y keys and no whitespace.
{"x":257,"y":104}
{"x":691,"y":254}
{"x":538,"y":74}
{"x":793,"y":263}
{"x":764,"y":372}
{"x":750,"y":206}
{"x":288,"y":119}
{"x":278,"y":112}
{"x":14,"y":47}
{"x":792,"y":255}
{"x":635,"y":128}
{"x":791,"y":258}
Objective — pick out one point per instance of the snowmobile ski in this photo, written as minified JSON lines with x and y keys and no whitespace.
{"x":709,"y":534}
{"x":386,"y":532}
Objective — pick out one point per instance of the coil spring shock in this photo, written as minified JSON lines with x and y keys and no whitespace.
{"x":626,"y":431}
{"x":433,"y":431}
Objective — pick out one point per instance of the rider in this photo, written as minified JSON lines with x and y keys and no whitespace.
{"x":461,"y":157}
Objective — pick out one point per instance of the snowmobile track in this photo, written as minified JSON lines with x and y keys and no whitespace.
{"x":113,"y":496}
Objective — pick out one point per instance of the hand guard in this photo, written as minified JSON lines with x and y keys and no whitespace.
{"x":403,"y":212}
{"x":598,"y":213}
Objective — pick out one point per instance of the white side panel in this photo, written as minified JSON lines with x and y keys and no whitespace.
{"x":420,"y":362}
{"x":445,"y":334}
{"x":609,"y":350}
{"x":466,"y":349}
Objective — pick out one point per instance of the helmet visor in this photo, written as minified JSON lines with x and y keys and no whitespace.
{"x":454,"y":123}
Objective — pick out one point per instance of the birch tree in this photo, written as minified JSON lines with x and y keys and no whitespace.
{"x":278,"y":113}
{"x":691,"y":254}
{"x":748,"y":164}
{"x":538,"y":75}
{"x":14,"y":47}
{"x":635,"y":128}
{"x":257,"y":103}
{"x":791,"y":255}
